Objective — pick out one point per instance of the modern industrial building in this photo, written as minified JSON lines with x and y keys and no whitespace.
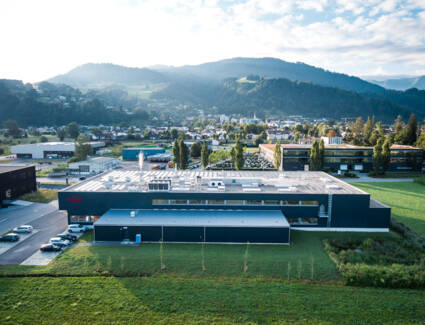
{"x":345,"y":157}
{"x":133,"y":153}
{"x":49,"y":150}
{"x":219,"y":206}
{"x":16,"y":181}
{"x":93,"y":166}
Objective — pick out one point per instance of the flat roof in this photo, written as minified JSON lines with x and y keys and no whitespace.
{"x":6,"y":169}
{"x":196,"y":181}
{"x":195,"y":218}
{"x":335,"y":146}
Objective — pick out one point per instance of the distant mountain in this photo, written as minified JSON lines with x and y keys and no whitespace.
{"x":279,"y":97}
{"x":402,"y":83}
{"x":92,"y":75}
{"x":273,"y":68}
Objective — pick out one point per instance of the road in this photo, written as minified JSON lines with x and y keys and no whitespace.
{"x":16,"y":216}
{"x":49,"y":225}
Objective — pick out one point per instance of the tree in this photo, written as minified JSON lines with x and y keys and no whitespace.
{"x":321,"y":154}
{"x":237,"y":155}
{"x":277,"y":155}
{"x":315,"y":156}
{"x":174,"y":134}
{"x":44,"y":139}
{"x":61,"y":134}
{"x":331,"y":134}
{"x":73,"y":130}
{"x":204,"y":155}
{"x":12,"y":128}
{"x":183,"y":154}
{"x":357,"y":130}
{"x":411,"y":130}
{"x":195,"y":149}
{"x":386,"y":155}
{"x":176,"y":152}
{"x":82,"y":148}
{"x":398,"y":124}
{"x":368,"y":129}
{"x":378,"y":161}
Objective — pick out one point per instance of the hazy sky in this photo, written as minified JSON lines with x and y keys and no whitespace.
{"x":42,"y":38}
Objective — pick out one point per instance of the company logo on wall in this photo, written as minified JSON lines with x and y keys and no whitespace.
{"x":72,"y":199}
{"x":8,"y":193}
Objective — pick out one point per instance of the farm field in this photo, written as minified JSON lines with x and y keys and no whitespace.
{"x":406,"y":199}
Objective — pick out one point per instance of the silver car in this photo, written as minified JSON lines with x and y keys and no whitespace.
{"x":23,"y":229}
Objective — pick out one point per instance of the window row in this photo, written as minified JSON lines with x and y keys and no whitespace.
{"x":302,"y":221}
{"x":232,"y":202}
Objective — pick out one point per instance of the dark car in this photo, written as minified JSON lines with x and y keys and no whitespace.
{"x":82,"y":178}
{"x":50,"y":248}
{"x":67,"y":236}
{"x":9,"y":237}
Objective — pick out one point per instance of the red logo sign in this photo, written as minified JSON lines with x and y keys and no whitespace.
{"x":70,"y":199}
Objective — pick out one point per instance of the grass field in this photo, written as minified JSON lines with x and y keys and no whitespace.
{"x":305,"y":259}
{"x":109,"y":300}
{"x":42,"y":195}
{"x":406,"y":199}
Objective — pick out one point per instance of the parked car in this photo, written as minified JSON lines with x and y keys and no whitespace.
{"x":23,"y":229}
{"x":59,"y":241}
{"x":9,"y":237}
{"x":82,"y":178}
{"x":50,"y":248}
{"x":77,"y":228}
{"x":67,"y":236}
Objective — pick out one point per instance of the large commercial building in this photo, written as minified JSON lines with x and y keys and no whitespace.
{"x":93,"y":166}
{"x":345,"y":157}
{"x":217,"y":206}
{"x":16,"y":181}
{"x":49,"y":150}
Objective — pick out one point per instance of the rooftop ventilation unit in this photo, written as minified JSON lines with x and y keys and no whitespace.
{"x":132,"y":214}
{"x":163,"y":185}
{"x":215,"y":183}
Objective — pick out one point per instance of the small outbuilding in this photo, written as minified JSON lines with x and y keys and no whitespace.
{"x":194,"y":226}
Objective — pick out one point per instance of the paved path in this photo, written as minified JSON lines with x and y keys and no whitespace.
{"x":49,"y":225}
{"x":367,"y":179}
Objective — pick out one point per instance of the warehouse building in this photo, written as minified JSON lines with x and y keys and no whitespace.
{"x":345,"y":157}
{"x":16,"y":181}
{"x":254,"y":206}
{"x":93,"y":166}
{"x":49,"y":150}
{"x":133,"y":153}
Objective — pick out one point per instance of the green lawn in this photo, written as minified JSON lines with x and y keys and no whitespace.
{"x":109,"y":300}
{"x":305,"y":259}
{"x":406,"y":199}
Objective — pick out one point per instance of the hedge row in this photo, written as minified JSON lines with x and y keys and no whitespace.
{"x":394,"y":276}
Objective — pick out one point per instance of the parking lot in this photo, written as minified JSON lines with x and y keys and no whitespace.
{"x":46,"y":220}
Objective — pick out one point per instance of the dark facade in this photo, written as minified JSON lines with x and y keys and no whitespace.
{"x":301,"y":209}
{"x":16,"y":181}
{"x":205,"y":230}
{"x":403,"y":158}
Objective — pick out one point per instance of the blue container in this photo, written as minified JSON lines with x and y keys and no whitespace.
{"x":138,"y":238}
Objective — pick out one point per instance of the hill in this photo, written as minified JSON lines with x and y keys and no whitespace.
{"x":273,"y":68}
{"x":279,"y":97}
{"x":402,"y":83}
{"x":92,"y":75}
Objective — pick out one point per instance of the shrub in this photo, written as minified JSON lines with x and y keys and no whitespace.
{"x":420,"y":180}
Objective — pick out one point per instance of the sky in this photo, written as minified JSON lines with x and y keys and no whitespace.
{"x":43,"y":38}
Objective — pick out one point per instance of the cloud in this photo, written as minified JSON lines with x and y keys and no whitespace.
{"x":48,"y":37}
